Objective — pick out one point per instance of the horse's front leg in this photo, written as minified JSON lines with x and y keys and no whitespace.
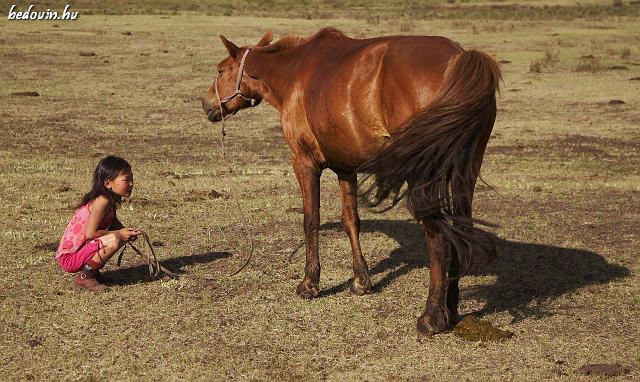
{"x":309,"y":181}
{"x":351,"y":221}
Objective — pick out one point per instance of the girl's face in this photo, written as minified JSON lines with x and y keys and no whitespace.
{"x":122,"y":185}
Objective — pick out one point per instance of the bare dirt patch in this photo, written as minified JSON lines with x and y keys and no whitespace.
{"x":603,"y":369}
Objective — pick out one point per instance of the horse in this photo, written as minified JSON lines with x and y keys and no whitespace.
{"x":412,"y":113}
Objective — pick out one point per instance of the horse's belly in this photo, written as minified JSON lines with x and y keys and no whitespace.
{"x":349,"y":146}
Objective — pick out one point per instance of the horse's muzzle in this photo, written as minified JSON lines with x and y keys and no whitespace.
{"x":213,"y":116}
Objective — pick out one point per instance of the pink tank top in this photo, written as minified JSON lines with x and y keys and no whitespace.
{"x":74,"y":238}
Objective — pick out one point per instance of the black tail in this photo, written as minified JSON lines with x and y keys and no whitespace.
{"x":439,"y":155}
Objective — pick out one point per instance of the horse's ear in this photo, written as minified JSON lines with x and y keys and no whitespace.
{"x":231,"y":47}
{"x":266,"y":39}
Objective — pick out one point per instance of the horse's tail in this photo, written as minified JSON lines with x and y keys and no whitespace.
{"x":439,"y":155}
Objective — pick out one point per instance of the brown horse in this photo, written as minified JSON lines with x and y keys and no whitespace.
{"x":414,"y":110}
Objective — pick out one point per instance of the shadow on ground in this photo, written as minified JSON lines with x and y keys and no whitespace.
{"x":528,"y":274}
{"x":140,"y":273}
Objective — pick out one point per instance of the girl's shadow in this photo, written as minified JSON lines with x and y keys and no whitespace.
{"x":140,"y":273}
{"x":527,"y":275}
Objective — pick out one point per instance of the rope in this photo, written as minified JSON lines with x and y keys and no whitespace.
{"x":232,"y":184}
{"x":152,"y":260}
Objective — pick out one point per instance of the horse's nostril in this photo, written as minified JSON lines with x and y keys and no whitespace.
{"x":213,"y":116}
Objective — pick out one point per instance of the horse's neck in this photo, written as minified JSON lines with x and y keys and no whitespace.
{"x":278,"y":72}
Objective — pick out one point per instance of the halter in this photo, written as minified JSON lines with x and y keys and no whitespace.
{"x":238,"y":92}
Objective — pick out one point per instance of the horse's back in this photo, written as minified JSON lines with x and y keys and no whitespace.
{"x":413,"y":70}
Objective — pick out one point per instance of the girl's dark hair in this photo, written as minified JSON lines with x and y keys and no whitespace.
{"x":108,"y":169}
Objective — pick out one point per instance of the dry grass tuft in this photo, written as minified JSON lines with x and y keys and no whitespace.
{"x":549,"y":58}
{"x":407,"y":26}
{"x":589,"y":63}
{"x":373,"y":18}
{"x":535,"y":66}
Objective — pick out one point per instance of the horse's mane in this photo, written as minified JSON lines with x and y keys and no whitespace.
{"x":291,"y":41}
{"x":329,"y":31}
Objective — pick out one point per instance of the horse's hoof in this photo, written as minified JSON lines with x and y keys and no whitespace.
{"x":307,"y":290}
{"x":360,"y":287}
{"x":434,"y":322}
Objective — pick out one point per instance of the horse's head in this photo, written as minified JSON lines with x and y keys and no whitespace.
{"x":235,"y":87}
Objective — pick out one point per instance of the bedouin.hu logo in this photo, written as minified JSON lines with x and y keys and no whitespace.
{"x":30,"y":14}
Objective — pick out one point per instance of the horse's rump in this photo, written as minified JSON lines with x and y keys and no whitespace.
{"x":439,"y":153}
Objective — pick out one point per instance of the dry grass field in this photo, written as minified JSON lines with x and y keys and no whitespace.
{"x":564,"y":159}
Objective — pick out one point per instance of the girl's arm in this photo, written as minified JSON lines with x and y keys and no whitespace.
{"x":99,"y":209}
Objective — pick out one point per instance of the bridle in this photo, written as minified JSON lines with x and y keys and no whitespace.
{"x":238,"y":92}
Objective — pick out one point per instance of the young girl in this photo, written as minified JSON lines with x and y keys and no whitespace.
{"x":94,"y":234}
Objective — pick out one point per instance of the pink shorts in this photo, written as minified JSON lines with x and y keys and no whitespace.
{"x":74,"y":262}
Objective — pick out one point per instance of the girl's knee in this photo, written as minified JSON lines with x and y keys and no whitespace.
{"x":111,"y":242}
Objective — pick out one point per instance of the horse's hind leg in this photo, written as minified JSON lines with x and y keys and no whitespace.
{"x":435,"y":318}
{"x":309,"y":181}
{"x":462,"y":207}
{"x":351,"y":222}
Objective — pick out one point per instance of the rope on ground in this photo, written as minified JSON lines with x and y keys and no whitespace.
{"x":152,"y":260}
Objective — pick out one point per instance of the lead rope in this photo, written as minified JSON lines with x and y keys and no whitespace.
{"x":232,"y":184}
{"x":152,"y":260}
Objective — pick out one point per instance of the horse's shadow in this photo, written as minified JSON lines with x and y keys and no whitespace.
{"x":140,"y":273}
{"x":527,"y":274}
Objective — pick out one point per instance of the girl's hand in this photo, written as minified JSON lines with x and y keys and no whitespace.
{"x":129,"y":234}
{"x":138,"y":232}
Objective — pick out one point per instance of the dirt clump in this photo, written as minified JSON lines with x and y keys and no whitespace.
{"x":25,"y":94}
{"x":196,"y":196}
{"x":603,"y":369}
{"x":473,"y":329}
{"x":46,"y":246}
{"x":215,"y":194}
{"x":61,"y":188}
{"x":175,"y":175}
